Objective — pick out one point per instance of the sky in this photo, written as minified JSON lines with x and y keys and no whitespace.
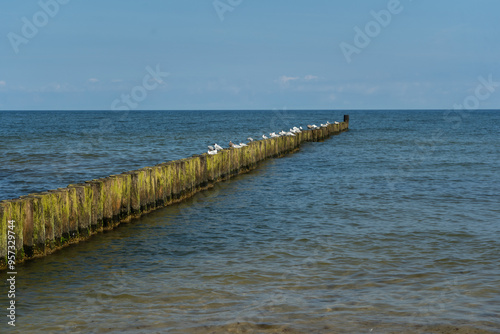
{"x":242,"y":54}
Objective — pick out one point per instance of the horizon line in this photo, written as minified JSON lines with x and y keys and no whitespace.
{"x":273,"y":109}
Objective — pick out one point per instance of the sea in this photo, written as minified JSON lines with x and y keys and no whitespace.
{"x":390,"y":227}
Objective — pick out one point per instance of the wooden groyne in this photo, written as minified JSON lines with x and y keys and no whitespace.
{"x":38,"y":224}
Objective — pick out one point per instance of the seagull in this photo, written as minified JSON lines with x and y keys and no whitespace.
{"x":290,"y":134}
{"x":212,"y":152}
{"x":273,"y":135}
{"x":218,"y":147}
{"x":211,"y":148}
{"x":243,"y":144}
{"x":264,"y":137}
{"x":324,"y":125}
{"x":231,"y":144}
{"x":250,"y":139}
{"x":336,"y":123}
{"x":282,"y":133}
{"x":236,"y":146}
{"x":310,"y":126}
{"x":327,"y":122}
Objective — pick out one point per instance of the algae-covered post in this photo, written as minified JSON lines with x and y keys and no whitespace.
{"x":47,"y":221}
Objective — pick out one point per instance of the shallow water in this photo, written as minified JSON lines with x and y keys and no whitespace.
{"x":389,"y":227}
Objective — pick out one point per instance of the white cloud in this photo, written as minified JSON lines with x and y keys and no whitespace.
{"x":310,"y":77}
{"x":284,"y":79}
{"x":56,"y":87}
{"x":93,"y":80}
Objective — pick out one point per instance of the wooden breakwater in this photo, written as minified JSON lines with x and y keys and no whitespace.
{"x":44,"y":222}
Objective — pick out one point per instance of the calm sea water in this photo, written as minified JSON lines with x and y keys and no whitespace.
{"x":393,"y":226}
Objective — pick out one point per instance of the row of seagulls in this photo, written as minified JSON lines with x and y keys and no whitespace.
{"x":292,"y":133}
{"x":212,"y":150}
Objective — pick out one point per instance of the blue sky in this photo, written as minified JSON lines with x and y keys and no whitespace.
{"x":263,"y":55}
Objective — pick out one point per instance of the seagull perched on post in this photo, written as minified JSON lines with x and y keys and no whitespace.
{"x":231,"y":144}
{"x":264,"y":137}
{"x":250,"y":139}
{"x":211,"y":150}
{"x":218,"y":147}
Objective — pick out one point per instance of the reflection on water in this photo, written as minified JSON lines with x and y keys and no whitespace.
{"x":320,"y":241}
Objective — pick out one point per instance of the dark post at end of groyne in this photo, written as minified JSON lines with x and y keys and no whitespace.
{"x":38,"y":224}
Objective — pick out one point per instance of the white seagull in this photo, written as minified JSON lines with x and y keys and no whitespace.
{"x":212,"y":152}
{"x":264,"y":137}
{"x":250,"y":139}
{"x":218,"y":147}
{"x":243,"y":144}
